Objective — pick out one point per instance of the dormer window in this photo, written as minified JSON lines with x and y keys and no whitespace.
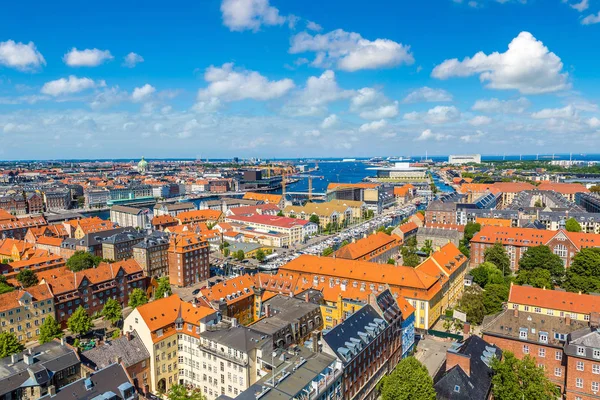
{"x":580,"y":351}
{"x":543,"y":337}
{"x":523,"y":333}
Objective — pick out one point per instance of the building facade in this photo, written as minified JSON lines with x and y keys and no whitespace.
{"x":188,"y":260}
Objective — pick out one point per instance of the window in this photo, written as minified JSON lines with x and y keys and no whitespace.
{"x":525,"y":349}
{"x":537,"y":310}
{"x":542,"y":352}
{"x":457,"y":388}
{"x":561,"y":251}
{"x":596,"y":353}
{"x":558,"y":355}
{"x":557,"y":371}
{"x":523,"y":333}
{"x":580,"y":366}
{"x":595,"y":386}
{"x":544,"y":337}
{"x":579,"y":383}
{"x":580,"y":351}
{"x":595,"y":368}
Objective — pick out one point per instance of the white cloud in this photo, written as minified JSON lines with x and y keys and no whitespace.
{"x":313,"y":26}
{"x":565,"y":112}
{"x":593,"y":122}
{"x":142,"y":93}
{"x":427,"y":134}
{"x":292,"y":21}
{"x":132,"y":59}
{"x":435,"y":115}
{"x":480,"y":120}
{"x":386,"y":111}
{"x":24,"y":57}
{"x":228,"y":84}
{"x":314,"y":97}
{"x":472,"y":138}
{"x":312,"y":133}
{"x":70,"y":85}
{"x":206,"y":107}
{"x":108,"y":98}
{"x":373,"y":126}
{"x":501,"y":106}
{"x":87,"y":57}
{"x":366,"y":97}
{"x":240,"y":15}
{"x":427,"y":94}
{"x":581,"y":6}
{"x":329,"y":121}
{"x":591,"y":19}
{"x":349,"y":51}
{"x":15,"y":128}
{"x":527,"y":66}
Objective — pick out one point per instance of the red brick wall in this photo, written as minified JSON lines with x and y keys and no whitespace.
{"x":587,"y":375}
{"x":463,"y":361}
{"x":549,"y":361}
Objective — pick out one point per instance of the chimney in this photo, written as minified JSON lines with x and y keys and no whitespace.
{"x":234,"y":322}
{"x":466,"y":329}
{"x":267,"y":310}
{"x":52,"y":390}
{"x":62,"y":341}
{"x":28,"y":358}
{"x":515,"y":312}
{"x":568,"y":319}
{"x":306,"y":297}
{"x":594,"y":320}
{"x":315,"y":341}
{"x":462,"y":360}
{"x":119,"y":359}
{"x":129,"y":336}
{"x":14,"y":358}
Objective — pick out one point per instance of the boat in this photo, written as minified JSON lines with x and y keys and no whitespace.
{"x":349,"y":160}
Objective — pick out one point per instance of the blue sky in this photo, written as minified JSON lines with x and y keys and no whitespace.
{"x":273,"y":78}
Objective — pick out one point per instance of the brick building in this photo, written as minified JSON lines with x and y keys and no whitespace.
{"x":35,"y":203}
{"x":188,"y":260}
{"x":151,"y":254}
{"x":120,"y":246}
{"x":583,"y":364}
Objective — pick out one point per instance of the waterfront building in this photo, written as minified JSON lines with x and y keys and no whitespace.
{"x":378,"y":247}
{"x":294,"y":230}
{"x":400,"y":172}
{"x":138,"y":218}
{"x":459,"y":159}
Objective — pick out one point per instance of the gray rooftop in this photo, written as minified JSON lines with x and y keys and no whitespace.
{"x":284,"y":311}
{"x":239,"y":338}
{"x":130,"y":350}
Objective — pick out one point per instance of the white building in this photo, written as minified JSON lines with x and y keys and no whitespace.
{"x":459,"y":159}
{"x":130,"y":216}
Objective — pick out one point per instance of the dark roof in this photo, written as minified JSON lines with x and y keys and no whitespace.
{"x":177,"y":206}
{"x":156,"y":238}
{"x":127,"y":209}
{"x":347,"y":338}
{"x":48,"y":359}
{"x":388,"y":306}
{"x":130,"y":351}
{"x":112,"y":381}
{"x":588,"y":338}
{"x":123,"y":237}
{"x":94,"y":239}
{"x":239,"y":338}
{"x":456,"y":384}
{"x":284,"y":311}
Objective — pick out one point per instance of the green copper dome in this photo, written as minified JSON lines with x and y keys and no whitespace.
{"x":142,"y":165}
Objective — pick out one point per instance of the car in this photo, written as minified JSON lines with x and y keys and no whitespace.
{"x":195,"y":292}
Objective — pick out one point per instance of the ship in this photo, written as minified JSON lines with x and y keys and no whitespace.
{"x":349,"y":160}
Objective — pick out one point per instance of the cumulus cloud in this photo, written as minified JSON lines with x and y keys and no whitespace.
{"x":480,"y":120}
{"x":349,"y":51}
{"x":329,"y":121}
{"x":312,"y":133}
{"x":386,"y":111}
{"x":69,"y":85}
{"x":593,"y":122}
{"x":591,"y":19}
{"x":313,"y":26}
{"x":132,"y":59}
{"x":427,"y":95}
{"x":373,"y":126}
{"x":24,"y":57}
{"x":228,"y":84}
{"x":435,"y":115}
{"x":314,"y":97}
{"x":494,"y":105}
{"x":206,"y":107}
{"x":87,"y":57}
{"x":427,"y":134}
{"x":241,"y":15}
{"x":527,"y":66}
{"x":142,"y":93}
{"x":581,"y":6}
{"x":475,"y":138}
{"x":366,"y":97}
{"x":565,"y":112}
{"x":15,"y":128}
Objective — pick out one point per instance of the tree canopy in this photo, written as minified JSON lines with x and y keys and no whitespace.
{"x":260,"y":255}
{"x":80,"y":322}
{"x":112,"y":311}
{"x":471,"y":303}
{"x":9,"y":344}
{"x":164,"y":287}
{"x":541,"y":257}
{"x":521,"y":379}
{"x":486,"y":273}
{"x":137,"y":298}
{"x":180,"y":392}
{"x":5,"y":287}
{"x":81,"y":260}
{"x":409,"y":381}
{"x":584,"y":273}
{"x":239,"y":255}
{"x":314,"y":219}
{"x":493,"y":297}
{"x":471,"y":229}
{"x":49,"y":330}
{"x":539,"y":278}
{"x":327,"y":251}
{"x":411,"y":259}
{"x":497,"y":256}
{"x":27,"y":278}
{"x":572,"y":225}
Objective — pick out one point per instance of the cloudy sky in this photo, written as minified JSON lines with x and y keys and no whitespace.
{"x":298,"y":78}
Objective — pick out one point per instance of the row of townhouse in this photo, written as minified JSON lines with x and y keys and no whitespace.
{"x":292,"y":230}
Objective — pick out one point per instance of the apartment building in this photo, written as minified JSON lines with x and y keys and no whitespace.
{"x":133,"y":217}
{"x":233,"y":297}
{"x":266,"y":198}
{"x":378,"y":247}
{"x":35,"y":203}
{"x":195,"y":346}
{"x":120,"y":246}
{"x":567,"y":190}
{"x":196,"y":216}
{"x":95,"y":198}
{"x":516,"y":241}
{"x":57,"y":200}
{"x":152,"y":254}
{"x":23,"y":311}
{"x":294,"y":230}
{"x":328,"y":213}
{"x":173,"y":209}
{"x":188,"y":260}
{"x":582,"y":350}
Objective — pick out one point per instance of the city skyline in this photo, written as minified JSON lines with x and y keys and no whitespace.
{"x":274,"y":79}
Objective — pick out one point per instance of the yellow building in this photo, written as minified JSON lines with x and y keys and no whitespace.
{"x":358,"y":208}
{"x":23,"y":311}
{"x":328,"y":213}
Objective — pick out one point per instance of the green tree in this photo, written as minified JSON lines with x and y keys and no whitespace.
{"x":112,"y":311}
{"x":471,"y":229}
{"x":260,"y":255}
{"x":411,"y":242}
{"x":572,"y":225}
{"x":9,"y":344}
{"x":280,"y":213}
{"x":81,"y":260}
{"x":497,"y":256}
{"x":327,"y":251}
{"x":80,"y":322}
{"x":226,"y":252}
{"x":411,"y":260}
{"x":521,"y":379}
{"x":409,"y":381}
{"x":493,"y":297}
{"x":239,"y":255}
{"x":27,"y":278}
{"x":180,"y":392}
{"x":541,"y":257}
{"x":462,"y":246}
{"x":391,"y":261}
{"x":314,"y":219}
{"x":116,"y":334}
{"x":595,"y":189}
{"x":5,"y":287}
{"x":137,"y":298}
{"x":539,"y":278}
{"x":163,"y":288}
{"x":427,"y":247}
{"x":471,"y":303}
{"x":486,"y":273}
{"x":49,"y":330}
{"x":584,"y":273}
{"x":538,"y":204}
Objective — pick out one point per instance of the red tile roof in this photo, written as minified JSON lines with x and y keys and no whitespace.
{"x":554,"y":299}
